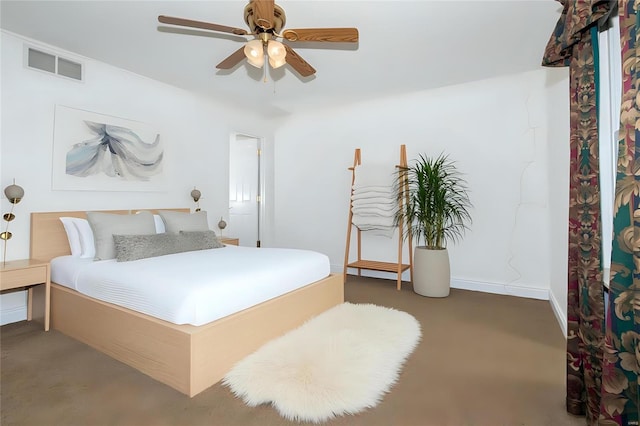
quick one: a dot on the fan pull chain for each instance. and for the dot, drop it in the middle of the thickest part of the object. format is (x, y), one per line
(266, 65)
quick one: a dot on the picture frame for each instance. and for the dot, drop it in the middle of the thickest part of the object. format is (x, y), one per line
(98, 152)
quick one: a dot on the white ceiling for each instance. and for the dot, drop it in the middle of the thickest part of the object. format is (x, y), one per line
(404, 46)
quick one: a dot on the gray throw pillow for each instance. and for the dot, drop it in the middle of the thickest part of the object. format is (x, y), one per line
(200, 240)
(134, 247)
(183, 221)
(106, 225)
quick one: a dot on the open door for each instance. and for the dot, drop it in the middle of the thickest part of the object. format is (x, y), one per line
(244, 189)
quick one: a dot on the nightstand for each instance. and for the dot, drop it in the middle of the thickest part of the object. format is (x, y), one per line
(28, 273)
(230, 241)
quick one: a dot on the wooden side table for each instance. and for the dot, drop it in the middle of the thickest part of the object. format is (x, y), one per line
(229, 240)
(28, 273)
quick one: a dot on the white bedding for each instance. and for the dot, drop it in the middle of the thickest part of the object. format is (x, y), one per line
(194, 287)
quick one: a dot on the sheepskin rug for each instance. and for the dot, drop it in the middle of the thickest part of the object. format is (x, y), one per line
(342, 361)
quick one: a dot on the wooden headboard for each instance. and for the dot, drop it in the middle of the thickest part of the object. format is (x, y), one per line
(48, 237)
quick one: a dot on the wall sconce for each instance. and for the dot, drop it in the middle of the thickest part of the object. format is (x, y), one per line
(195, 194)
(221, 225)
(14, 194)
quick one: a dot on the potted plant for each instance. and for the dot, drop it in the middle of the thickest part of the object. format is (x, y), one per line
(434, 209)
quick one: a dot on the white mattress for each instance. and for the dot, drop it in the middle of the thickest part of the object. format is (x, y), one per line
(194, 287)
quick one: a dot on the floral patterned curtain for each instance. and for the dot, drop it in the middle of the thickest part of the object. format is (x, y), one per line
(620, 392)
(574, 44)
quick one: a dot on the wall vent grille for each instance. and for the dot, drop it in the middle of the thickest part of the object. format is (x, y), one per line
(54, 64)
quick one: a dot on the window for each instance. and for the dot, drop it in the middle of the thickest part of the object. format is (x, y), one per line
(609, 95)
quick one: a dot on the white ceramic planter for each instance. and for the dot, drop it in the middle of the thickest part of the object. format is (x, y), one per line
(431, 272)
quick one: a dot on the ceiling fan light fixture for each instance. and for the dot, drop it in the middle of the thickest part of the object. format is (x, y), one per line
(254, 51)
(276, 63)
(257, 62)
(277, 53)
(266, 20)
(276, 50)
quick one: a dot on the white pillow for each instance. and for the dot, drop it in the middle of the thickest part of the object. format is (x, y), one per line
(160, 229)
(80, 237)
(86, 238)
(73, 236)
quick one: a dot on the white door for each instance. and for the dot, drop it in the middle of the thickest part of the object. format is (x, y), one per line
(244, 190)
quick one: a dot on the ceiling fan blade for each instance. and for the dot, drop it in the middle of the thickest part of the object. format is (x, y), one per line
(199, 24)
(263, 13)
(297, 63)
(232, 60)
(322, 34)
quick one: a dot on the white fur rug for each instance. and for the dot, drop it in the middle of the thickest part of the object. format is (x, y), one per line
(342, 361)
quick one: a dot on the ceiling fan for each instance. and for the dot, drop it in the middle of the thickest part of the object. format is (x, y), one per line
(265, 20)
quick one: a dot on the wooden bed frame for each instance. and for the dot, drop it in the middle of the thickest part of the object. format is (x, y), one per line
(185, 357)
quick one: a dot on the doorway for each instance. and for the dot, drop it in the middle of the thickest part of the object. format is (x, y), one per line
(245, 189)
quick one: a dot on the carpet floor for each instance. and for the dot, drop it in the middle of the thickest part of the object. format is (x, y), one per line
(483, 359)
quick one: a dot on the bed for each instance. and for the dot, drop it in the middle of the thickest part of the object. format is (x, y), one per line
(189, 358)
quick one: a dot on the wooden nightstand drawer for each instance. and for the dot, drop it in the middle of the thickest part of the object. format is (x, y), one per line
(23, 277)
(229, 240)
(29, 273)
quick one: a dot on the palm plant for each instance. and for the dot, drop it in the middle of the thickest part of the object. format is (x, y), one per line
(435, 203)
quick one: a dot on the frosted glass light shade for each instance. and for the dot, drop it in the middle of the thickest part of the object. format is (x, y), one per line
(277, 53)
(276, 64)
(14, 193)
(254, 51)
(195, 194)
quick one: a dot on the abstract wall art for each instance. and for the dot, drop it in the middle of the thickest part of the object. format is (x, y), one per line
(97, 152)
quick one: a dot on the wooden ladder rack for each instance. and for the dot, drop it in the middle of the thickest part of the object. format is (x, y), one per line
(373, 265)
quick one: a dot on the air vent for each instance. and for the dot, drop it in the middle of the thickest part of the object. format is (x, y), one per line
(51, 63)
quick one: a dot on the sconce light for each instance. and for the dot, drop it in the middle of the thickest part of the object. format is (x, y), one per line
(14, 194)
(195, 194)
(221, 225)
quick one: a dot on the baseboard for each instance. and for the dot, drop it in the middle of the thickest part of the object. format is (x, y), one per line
(13, 314)
(511, 290)
(506, 289)
(559, 313)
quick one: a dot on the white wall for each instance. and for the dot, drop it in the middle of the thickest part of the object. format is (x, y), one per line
(557, 88)
(195, 132)
(499, 133)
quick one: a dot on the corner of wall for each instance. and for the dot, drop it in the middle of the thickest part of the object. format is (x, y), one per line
(560, 314)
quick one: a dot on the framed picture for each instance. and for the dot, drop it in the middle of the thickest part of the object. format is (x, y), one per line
(96, 152)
